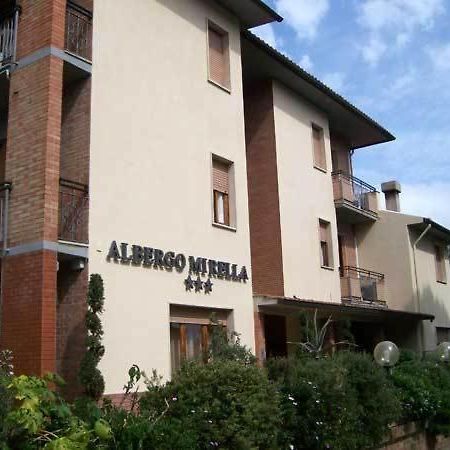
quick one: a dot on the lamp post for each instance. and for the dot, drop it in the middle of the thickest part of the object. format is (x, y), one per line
(386, 354)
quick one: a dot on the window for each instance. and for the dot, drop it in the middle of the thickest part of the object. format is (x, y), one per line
(441, 275)
(319, 147)
(190, 333)
(218, 56)
(222, 182)
(442, 335)
(326, 254)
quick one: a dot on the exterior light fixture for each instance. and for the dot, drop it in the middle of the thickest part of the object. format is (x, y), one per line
(386, 354)
(443, 352)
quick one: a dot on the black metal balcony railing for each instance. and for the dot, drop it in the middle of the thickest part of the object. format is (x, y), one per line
(352, 189)
(4, 207)
(8, 38)
(360, 284)
(78, 31)
(73, 212)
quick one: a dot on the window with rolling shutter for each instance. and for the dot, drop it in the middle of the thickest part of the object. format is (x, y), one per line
(326, 255)
(221, 191)
(219, 56)
(190, 333)
(319, 147)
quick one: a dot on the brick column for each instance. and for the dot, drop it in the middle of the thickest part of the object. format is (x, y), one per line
(28, 325)
(260, 339)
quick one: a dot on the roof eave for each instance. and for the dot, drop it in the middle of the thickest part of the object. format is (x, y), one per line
(251, 13)
(384, 135)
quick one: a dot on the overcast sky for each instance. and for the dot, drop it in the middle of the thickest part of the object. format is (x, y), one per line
(391, 58)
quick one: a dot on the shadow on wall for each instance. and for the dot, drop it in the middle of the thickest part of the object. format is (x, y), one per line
(189, 14)
(440, 308)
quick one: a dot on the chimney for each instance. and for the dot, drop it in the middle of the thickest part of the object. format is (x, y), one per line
(392, 191)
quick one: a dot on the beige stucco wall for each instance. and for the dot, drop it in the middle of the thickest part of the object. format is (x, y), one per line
(387, 247)
(434, 296)
(155, 123)
(306, 194)
(384, 247)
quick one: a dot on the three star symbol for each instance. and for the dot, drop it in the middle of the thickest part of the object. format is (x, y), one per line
(198, 285)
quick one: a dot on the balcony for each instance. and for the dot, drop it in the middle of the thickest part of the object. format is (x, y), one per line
(362, 286)
(78, 39)
(73, 212)
(355, 200)
(8, 38)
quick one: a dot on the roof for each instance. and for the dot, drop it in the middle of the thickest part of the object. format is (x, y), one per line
(251, 13)
(436, 230)
(261, 61)
(362, 312)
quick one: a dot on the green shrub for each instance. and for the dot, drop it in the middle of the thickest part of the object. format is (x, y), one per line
(340, 402)
(39, 418)
(227, 347)
(424, 391)
(223, 404)
(376, 397)
(90, 376)
(6, 400)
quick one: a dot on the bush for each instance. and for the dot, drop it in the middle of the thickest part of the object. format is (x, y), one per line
(90, 376)
(223, 404)
(39, 418)
(6, 400)
(340, 402)
(424, 390)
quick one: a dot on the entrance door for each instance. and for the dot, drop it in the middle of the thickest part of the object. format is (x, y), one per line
(275, 334)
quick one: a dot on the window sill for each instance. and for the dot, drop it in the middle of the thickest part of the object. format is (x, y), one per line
(320, 169)
(220, 86)
(327, 268)
(223, 226)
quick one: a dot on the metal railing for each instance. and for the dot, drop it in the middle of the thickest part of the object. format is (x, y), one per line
(362, 285)
(8, 38)
(78, 31)
(5, 189)
(352, 189)
(73, 212)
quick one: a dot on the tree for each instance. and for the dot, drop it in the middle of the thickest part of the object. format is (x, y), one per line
(90, 376)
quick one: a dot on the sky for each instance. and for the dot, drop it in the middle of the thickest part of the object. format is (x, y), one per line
(391, 59)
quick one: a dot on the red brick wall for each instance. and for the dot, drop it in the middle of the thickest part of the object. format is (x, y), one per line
(33, 147)
(260, 340)
(2, 159)
(71, 328)
(32, 165)
(29, 311)
(75, 137)
(41, 24)
(264, 209)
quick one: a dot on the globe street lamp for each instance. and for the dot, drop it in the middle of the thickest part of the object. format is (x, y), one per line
(386, 354)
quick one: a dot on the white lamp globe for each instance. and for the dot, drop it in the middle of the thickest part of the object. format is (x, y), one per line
(386, 354)
(443, 351)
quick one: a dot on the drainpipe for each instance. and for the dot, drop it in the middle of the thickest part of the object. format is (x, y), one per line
(416, 243)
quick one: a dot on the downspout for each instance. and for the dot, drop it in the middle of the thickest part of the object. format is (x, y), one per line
(416, 243)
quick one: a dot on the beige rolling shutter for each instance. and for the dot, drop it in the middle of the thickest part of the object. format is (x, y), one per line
(221, 178)
(219, 67)
(319, 147)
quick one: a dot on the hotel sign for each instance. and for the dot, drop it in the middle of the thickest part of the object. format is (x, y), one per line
(198, 267)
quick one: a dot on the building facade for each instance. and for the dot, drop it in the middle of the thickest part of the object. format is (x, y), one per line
(199, 172)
